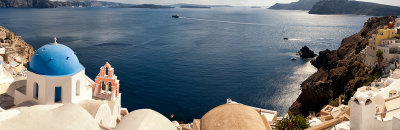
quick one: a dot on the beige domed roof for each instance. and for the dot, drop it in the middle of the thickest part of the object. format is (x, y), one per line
(145, 119)
(233, 117)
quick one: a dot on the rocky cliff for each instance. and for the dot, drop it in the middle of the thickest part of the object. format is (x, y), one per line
(26, 4)
(300, 5)
(339, 71)
(305, 53)
(16, 48)
(54, 4)
(149, 6)
(353, 7)
(89, 3)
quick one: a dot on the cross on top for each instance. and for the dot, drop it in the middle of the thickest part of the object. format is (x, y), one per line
(55, 40)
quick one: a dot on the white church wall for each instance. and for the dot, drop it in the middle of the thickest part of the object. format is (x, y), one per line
(362, 115)
(103, 116)
(20, 97)
(115, 107)
(33, 78)
(396, 123)
(66, 91)
(86, 88)
(379, 125)
(85, 91)
(47, 86)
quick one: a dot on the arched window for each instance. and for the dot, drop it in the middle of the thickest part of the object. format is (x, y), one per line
(356, 101)
(368, 101)
(103, 86)
(106, 70)
(36, 90)
(109, 86)
(78, 88)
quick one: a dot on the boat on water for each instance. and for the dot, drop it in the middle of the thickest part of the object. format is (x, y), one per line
(285, 38)
(175, 16)
(293, 58)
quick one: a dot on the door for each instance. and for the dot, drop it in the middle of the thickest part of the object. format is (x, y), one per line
(57, 96)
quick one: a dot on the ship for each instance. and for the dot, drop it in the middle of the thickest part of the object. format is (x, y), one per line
(175, 16)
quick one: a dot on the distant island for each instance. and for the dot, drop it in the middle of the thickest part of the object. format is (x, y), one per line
(353, 7)
(92, 3)
(340, 7)
(255, 7)
(55, 4)
(194, 6)
(300, 5)
(184, 5)
(149, 6)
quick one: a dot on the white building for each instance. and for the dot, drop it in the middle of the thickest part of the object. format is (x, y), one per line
(55, 76)
(385, 40)
(145, 119)
(373, 109)
(59, 95)
(397, 23)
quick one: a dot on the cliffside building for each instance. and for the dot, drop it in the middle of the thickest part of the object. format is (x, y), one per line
(373, 108)
(385, 40)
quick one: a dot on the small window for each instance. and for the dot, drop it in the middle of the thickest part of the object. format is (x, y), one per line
(356, 101)
(78, 88)
(368, 102)
(36, 90)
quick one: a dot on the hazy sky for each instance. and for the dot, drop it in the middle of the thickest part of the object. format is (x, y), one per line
(235, 2)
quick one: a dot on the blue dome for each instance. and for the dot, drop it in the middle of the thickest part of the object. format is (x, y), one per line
(54, 60)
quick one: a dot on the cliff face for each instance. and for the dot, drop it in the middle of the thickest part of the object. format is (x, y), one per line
(26, 4)
(89, 3)
(50, 4)
(15, 46)
(353, 7)
(150, 6)
(300, 5)
(339, 72)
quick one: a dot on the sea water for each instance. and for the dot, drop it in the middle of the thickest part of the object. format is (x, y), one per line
(188, 66)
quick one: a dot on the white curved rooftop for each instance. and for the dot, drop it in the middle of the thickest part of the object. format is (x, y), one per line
(145, 119)
(48, 117)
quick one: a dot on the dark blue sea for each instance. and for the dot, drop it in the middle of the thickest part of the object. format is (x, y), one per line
(188, 66)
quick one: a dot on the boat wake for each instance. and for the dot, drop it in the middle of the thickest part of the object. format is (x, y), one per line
(296, 39)
(230, 22)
